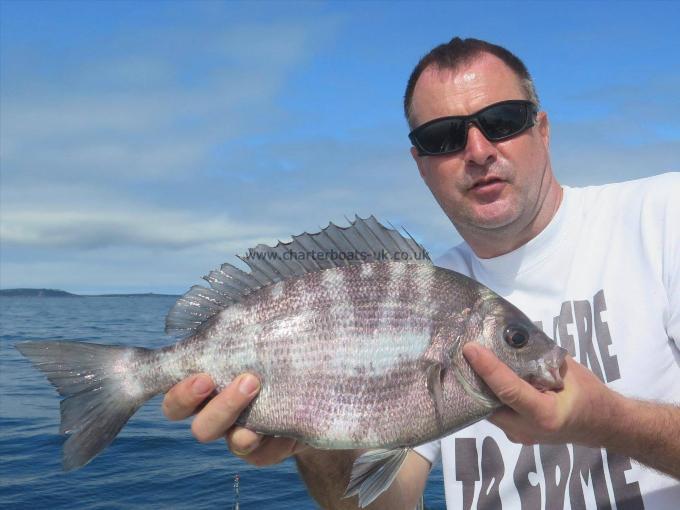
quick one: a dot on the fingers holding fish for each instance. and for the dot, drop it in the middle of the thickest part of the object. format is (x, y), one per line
(187, 396)
(242, 441)
(261, 450)
(573, 414)
(510, 389)
(531, 414)
(545, 417)
(217, 416)
(220, 414)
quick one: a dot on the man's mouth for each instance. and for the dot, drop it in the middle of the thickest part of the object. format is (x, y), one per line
(488, 189)
(486, 182)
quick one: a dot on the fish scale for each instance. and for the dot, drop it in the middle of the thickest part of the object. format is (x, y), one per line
(357, 352)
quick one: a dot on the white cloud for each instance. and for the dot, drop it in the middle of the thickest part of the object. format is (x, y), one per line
(181, 96)
(108, 154)
(149, 159)
(123, 227)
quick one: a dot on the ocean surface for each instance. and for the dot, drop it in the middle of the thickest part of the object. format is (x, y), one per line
(153, 463)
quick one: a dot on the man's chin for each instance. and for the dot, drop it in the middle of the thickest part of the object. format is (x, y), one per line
(492, 216)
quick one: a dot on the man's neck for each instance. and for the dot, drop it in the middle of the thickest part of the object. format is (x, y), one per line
(488, 244)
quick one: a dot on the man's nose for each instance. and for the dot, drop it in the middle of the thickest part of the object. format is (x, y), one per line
(478, 149)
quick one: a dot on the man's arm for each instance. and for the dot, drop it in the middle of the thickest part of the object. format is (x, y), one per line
(325, 472)
(585, 412)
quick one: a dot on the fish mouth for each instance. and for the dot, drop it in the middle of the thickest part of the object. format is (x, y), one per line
(548, 379)
(546, 372)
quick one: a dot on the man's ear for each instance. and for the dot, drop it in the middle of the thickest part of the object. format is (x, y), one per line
(419, 160)
(543, 127)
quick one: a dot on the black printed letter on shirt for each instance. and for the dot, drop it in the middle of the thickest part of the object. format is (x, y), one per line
(584, 326)
(556, 467)
(529, 494)
(467, 468)
(493, 470)
(604, 339)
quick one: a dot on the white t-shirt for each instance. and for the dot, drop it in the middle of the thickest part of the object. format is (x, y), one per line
(603, 280)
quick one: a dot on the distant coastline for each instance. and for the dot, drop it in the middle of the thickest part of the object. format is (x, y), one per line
(63, 294)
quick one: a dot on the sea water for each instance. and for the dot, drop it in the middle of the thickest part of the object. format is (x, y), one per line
(153, 463)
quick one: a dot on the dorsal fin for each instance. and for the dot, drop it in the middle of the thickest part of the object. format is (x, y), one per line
(364, 240)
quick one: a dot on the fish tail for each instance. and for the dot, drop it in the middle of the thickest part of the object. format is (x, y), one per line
(102, 387)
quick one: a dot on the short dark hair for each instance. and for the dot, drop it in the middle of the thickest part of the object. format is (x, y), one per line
(461, 51)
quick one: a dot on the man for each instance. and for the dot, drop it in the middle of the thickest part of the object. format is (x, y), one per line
(597, 268)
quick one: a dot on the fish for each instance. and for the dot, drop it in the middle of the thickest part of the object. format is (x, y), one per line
(355, 335)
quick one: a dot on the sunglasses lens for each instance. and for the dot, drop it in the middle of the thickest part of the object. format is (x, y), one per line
(498, 122)
(504, 120)
(448, 135)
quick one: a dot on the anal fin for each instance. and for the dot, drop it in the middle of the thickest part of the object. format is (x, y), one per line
(373, 472)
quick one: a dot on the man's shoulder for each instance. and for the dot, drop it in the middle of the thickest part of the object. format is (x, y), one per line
(660, 185)
(627, 201)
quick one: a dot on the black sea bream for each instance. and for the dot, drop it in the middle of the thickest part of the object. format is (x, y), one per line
(354, 334)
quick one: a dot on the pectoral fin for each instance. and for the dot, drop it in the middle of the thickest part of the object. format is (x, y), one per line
(434, 388)
(373, 473)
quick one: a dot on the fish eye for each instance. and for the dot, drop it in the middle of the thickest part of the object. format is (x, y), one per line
(516, 336)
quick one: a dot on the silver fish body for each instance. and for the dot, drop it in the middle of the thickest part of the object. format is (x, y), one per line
(346, 355)
(360, 355)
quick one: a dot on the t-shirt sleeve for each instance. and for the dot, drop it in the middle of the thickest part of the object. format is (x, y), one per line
(430, 451)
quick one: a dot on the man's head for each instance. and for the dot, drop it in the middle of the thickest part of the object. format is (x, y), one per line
(498, 194)
(461, 51)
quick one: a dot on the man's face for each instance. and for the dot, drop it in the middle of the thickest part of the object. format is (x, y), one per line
(487, 186)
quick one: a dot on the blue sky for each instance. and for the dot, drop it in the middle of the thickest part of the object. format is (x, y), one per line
(143, 143)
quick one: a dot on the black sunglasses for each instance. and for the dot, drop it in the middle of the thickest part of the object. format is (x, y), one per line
(497, 122)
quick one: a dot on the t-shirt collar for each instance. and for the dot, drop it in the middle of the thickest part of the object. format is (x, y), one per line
(529, 255)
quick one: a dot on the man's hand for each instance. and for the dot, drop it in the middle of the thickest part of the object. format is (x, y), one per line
(585, 412)
(576, 414)
(325, 472)
(216, 416)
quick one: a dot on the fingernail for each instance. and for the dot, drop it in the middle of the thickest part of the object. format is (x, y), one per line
(201, 386)
(248, 385)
